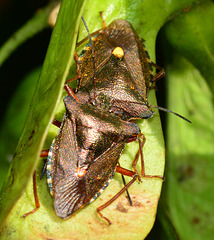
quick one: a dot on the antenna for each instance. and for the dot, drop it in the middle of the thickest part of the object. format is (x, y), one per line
(160, 108)
(93, 55)
(167, 110)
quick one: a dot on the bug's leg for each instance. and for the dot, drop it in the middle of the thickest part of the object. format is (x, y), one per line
(68, 89)
(141, 140)
(44, 153)
(37, 204)
(131, 139)
(78, 69)
(134, 163)
(159, 75)
(127, 192)
(125, 172)
(56, 123)
(103, 21)
(70, 92)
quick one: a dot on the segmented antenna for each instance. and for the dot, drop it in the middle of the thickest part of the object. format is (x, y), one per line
(93, 55)
(160, 108)
(169, 111)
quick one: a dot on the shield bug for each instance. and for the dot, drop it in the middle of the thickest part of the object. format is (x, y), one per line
(115, 72)
(118, 73)
(84, 156)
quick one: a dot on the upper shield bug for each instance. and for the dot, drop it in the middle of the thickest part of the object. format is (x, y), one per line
(122, 73)
(115, 72)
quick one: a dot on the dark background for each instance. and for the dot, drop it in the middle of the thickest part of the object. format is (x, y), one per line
(13, 15)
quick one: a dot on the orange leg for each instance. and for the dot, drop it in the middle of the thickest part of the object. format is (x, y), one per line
(78, 69)
(44, 153)
(125, 172)
(141, 139)
(103, 21)
(37, 204)
(56, 123)
(159, 75)
(70, 92)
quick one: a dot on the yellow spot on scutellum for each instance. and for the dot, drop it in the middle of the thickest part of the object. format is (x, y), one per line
(118, 52)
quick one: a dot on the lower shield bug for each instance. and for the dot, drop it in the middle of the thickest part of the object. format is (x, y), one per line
(84, 156)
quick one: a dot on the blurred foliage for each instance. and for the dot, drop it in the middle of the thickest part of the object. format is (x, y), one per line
(189, 61)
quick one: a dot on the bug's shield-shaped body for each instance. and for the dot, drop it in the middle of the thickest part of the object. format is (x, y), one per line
(122, 73)
(84, 155)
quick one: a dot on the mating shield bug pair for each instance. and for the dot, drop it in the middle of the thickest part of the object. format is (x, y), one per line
(115, 74)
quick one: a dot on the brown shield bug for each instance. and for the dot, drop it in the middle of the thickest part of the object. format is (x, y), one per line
(84, 156)
(115, 72)
(118, 73)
